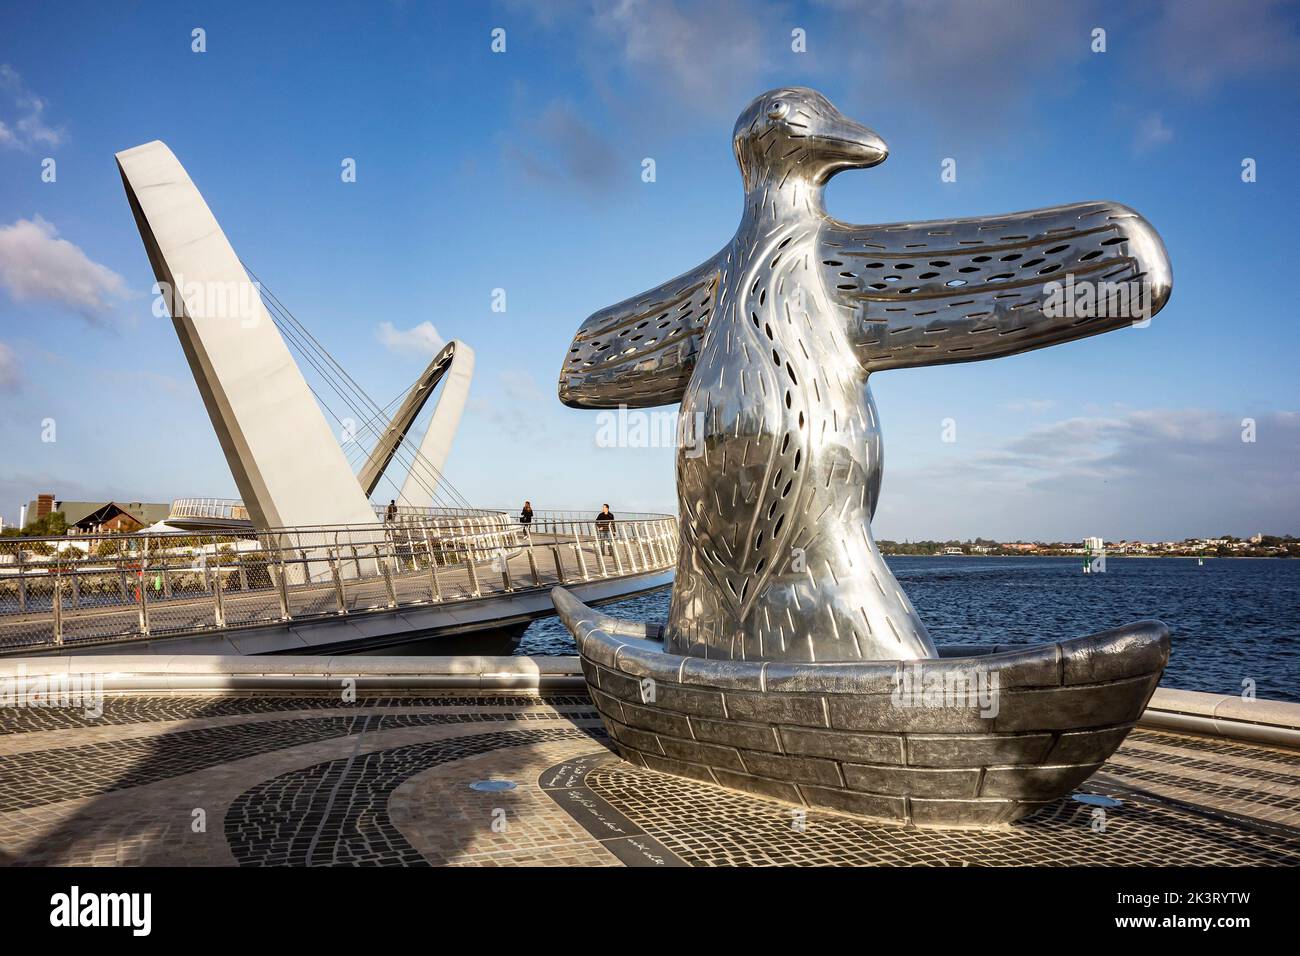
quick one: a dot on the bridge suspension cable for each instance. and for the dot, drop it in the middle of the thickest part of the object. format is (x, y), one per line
(373, 419)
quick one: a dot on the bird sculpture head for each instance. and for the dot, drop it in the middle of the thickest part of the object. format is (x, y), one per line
(793, 131)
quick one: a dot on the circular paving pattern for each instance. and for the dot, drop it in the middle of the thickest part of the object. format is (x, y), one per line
(306, 780)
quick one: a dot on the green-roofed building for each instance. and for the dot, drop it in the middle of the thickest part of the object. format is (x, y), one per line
(92, 517)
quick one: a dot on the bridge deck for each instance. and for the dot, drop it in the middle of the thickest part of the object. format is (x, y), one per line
(195, 611)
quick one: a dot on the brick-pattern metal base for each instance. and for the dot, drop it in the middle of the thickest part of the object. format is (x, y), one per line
(844, 737)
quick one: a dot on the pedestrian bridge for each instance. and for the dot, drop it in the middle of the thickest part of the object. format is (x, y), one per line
(425, 573)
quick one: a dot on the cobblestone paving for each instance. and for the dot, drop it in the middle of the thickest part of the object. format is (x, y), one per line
(298, 780)
(47, 776)
(708, 827)
(1140, 739)
(336, 813)
(135, 710)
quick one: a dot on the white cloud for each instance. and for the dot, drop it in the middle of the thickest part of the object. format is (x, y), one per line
(702, 57)
(1152, 132)
(422, 339)
(35, 265)
(711, 52)
(519, 409)
(30, 128)
(972, 66)
(560, 145)
(10, 375)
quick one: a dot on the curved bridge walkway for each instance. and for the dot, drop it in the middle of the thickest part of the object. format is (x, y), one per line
(55, 596)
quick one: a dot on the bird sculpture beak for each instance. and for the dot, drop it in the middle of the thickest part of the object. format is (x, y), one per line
(850, 145)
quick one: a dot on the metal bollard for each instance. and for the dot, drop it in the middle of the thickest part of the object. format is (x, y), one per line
(640, 547)
(218, 594)
(435, 586)
(58, 612)
(532, 565)
(339, 597)
(282, 589)
(387, 573)
(473, 574)
(144, 608)
(22, 582)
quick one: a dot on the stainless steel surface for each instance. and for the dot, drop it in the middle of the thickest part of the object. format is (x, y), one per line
(1006, 734)
(83, 590)
(769, 346)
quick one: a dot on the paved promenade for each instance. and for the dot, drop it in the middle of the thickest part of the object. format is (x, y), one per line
(299, 779)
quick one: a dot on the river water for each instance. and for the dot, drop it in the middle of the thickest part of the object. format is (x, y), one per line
(1233, 619)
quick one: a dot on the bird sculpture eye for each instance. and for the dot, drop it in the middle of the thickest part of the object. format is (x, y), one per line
(777, 110)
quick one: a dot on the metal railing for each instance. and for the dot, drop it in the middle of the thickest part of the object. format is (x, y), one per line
(220, 509)
(233, 509)
(82, 589)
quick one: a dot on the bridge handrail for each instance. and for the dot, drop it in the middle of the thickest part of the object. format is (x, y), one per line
(232, 509)
(87, 588)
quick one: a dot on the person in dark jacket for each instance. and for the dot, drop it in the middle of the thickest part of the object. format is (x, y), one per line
(526, 516)
(391, 514)
(605, 530)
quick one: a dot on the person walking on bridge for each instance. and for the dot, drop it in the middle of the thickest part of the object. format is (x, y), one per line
(605, 530)
(526, 517)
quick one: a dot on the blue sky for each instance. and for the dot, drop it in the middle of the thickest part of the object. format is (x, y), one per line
(522, 171)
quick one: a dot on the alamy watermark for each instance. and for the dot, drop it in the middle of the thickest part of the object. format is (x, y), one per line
(239, 300)
(1086, 299)
(639, 428)
(63, 691)
(73, 909)
(925, 686)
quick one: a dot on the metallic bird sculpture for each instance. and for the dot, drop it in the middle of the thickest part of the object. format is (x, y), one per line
(769, 345)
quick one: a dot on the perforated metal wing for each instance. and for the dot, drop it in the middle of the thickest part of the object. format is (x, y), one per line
(641, 352)
(960, 290)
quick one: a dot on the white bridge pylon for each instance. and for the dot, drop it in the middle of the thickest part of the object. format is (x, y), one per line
(454, 368)
(285, 458)
(287, 464)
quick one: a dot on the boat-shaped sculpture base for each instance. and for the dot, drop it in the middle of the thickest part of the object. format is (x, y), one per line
(976, 738)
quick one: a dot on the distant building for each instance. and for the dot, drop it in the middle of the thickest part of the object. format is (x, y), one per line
(1094, 544)
(95, 517)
